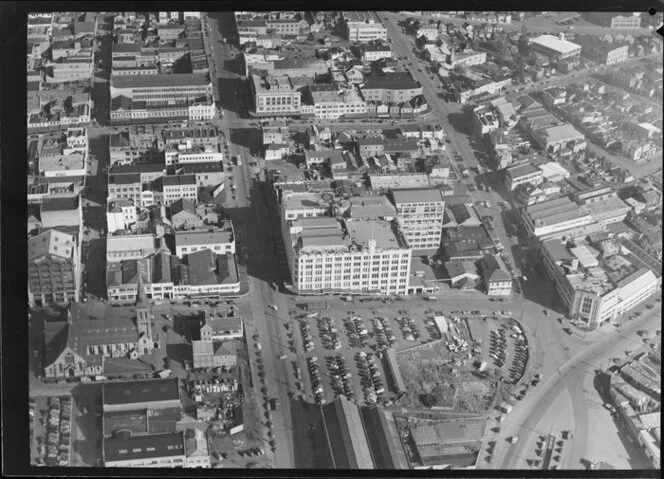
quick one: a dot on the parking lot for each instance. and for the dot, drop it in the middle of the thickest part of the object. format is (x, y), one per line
(344, 347)
(51, 424)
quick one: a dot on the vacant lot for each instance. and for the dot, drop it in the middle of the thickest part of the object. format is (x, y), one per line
(438, 377)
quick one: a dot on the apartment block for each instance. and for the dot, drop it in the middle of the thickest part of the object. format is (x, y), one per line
(420, 213)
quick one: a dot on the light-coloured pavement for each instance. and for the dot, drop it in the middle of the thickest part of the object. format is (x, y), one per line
(574, 376)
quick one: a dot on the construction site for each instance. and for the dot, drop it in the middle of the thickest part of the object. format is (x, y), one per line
(471, 368)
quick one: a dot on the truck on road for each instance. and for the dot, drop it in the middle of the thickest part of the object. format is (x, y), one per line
(274, 404)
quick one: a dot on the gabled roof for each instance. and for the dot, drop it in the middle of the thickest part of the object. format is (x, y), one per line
(458, 269)
(183, 205)
(494, 269)
(77, 331)
(227, 323)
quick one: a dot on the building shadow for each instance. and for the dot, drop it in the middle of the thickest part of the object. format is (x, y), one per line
(310, 445)
(247, 137)
(178, 352)
(460, 122)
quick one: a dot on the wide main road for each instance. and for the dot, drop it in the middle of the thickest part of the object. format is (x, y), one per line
(573, 378)
(458, 134)
(255, 220)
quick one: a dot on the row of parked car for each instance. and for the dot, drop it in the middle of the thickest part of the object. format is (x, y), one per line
(520, 355)
(372, 384)
(55, 450)
(316, 380)
(307, 340)
(498, 347)
(383, 333)
(329, 334)
(340, 376)
(357, 332)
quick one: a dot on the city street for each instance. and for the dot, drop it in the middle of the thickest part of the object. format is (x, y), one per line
(567, 396)
(575, 377)
(454, 118)
(249, 213)
(450, 116)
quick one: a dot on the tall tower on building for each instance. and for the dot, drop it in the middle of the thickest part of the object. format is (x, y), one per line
(143, 320)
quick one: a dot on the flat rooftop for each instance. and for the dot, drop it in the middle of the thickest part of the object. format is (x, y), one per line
(303, 201)
(371, 207)
(131, 243)
(329, 94)
(597, 282)
(73, 161)
(362, 231)
(156, 81)
(315, 223)
(417, 195)
(193, 238)
(607, 205)
(522, 170)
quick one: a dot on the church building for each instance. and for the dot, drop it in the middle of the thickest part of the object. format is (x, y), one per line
(80, 346)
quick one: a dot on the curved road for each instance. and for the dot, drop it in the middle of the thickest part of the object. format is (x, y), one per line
(570, 376)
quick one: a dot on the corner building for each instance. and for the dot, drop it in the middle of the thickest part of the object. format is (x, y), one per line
(352, 256)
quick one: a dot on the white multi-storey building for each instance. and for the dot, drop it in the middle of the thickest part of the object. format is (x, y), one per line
(420, 212)
(220, 241)
(120, 215)
(187, 154)
(363, 27)
(359, 256)
(355, 256)
(275, 95)
(594, 288)
(331, 104)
